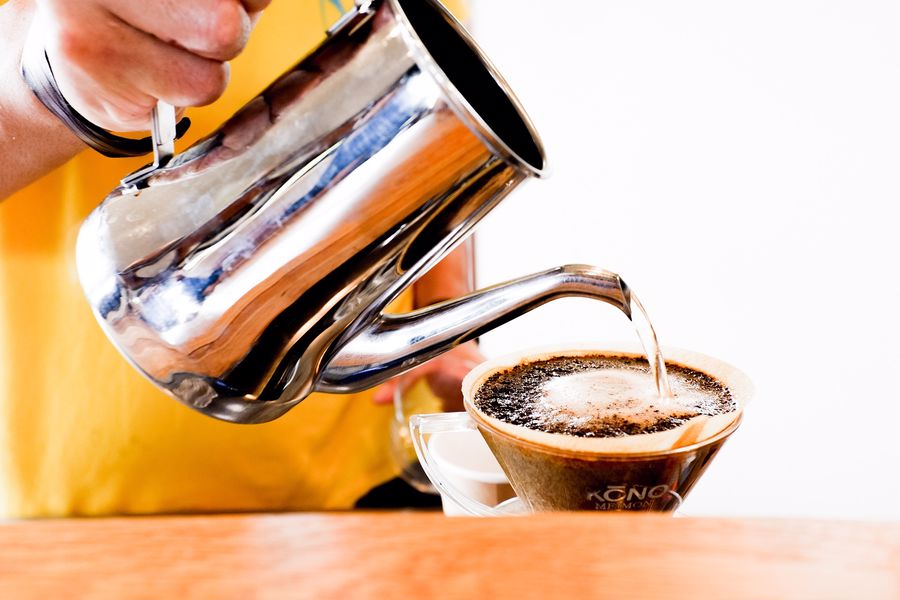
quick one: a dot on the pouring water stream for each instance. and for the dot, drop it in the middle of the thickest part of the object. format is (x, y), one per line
(647, 335)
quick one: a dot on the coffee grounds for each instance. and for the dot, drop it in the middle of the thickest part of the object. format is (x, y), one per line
(516, 395)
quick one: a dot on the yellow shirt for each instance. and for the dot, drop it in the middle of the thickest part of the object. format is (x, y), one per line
(82, 433)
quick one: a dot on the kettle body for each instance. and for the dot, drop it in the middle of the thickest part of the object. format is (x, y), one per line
(253, 268)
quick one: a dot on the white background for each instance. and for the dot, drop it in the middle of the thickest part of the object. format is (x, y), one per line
(738, 163)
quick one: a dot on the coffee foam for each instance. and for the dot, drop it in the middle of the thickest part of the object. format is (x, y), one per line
(576, 400)
(624, 402)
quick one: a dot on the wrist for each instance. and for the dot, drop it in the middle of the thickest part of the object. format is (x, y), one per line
(33, 140)
(17, 20)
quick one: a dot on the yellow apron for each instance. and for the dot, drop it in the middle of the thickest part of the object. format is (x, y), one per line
(81, 433)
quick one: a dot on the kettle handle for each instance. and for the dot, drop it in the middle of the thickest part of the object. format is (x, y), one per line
(164, 124)
(163, 129)
(396, 343)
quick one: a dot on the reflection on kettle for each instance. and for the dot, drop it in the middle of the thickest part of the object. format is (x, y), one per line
(253, 268)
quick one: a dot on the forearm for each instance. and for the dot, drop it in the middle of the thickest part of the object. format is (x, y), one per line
(452, 277)
(32, 141)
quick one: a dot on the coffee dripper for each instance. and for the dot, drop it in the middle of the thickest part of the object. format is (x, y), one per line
(254, 268)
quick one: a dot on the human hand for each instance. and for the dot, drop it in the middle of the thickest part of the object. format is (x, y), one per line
(444, 375)
(113, 59)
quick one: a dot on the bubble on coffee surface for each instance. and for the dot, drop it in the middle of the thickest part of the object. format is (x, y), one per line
(599, 396)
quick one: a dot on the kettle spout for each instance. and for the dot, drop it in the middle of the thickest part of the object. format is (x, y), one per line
(397, 343)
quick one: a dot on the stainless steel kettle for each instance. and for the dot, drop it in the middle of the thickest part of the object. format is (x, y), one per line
(253, 268)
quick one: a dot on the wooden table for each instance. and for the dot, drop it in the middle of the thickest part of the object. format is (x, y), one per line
(421, 555)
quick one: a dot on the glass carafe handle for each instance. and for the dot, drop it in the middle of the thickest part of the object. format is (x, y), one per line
(421, 427)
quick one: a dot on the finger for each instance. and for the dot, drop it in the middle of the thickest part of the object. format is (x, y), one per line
(385, 393)
(448, 388)
(216, 29)
(125, 68)
(460, 369)
(118, 115)
(253, 6)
